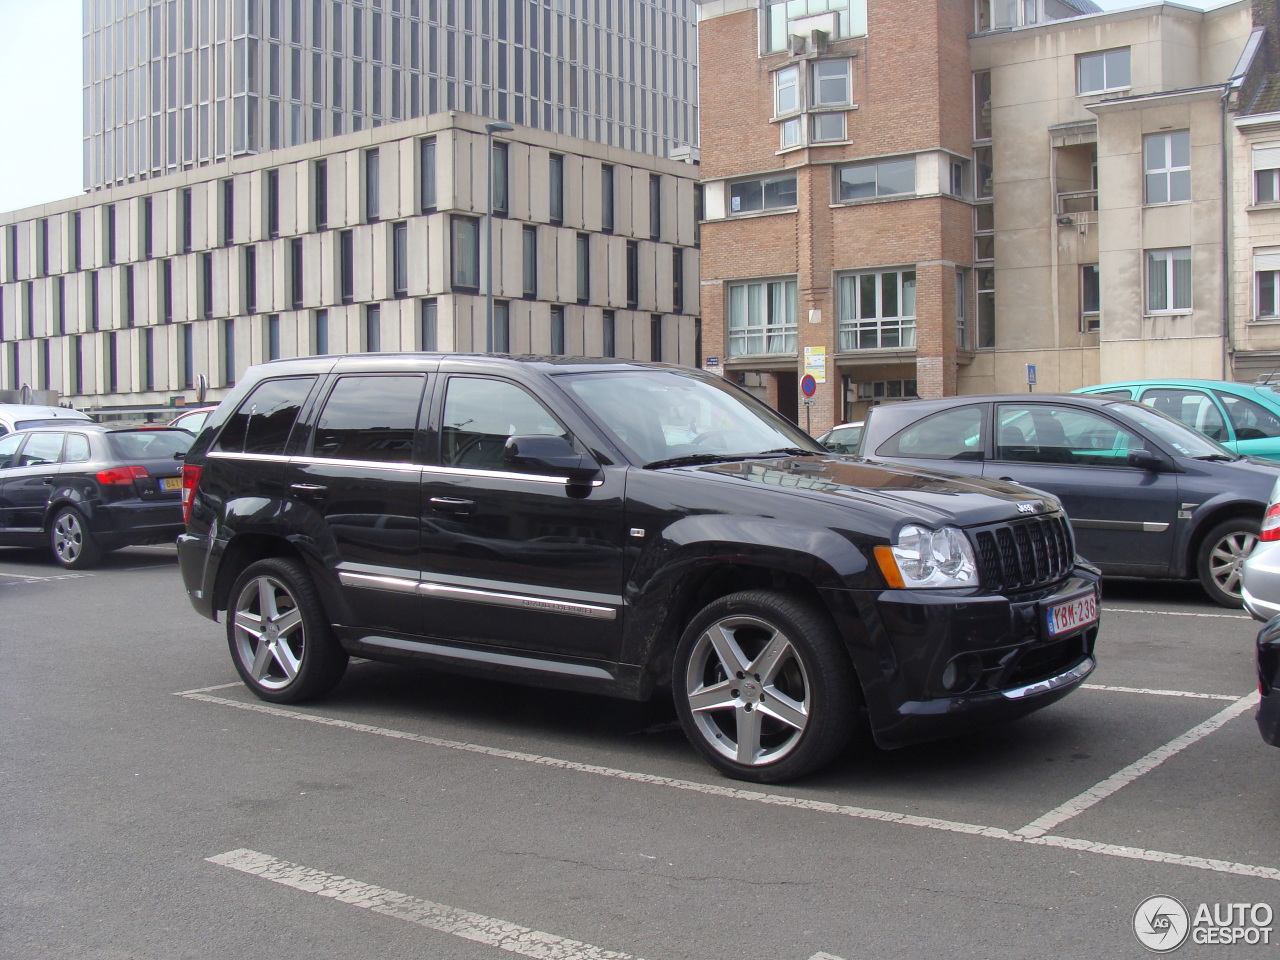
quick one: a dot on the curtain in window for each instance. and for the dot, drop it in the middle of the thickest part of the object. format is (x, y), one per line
(1182, 279)
(1157, 281)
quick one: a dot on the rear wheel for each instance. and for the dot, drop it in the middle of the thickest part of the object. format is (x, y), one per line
(73, 545)
(1220, 562)
(280, 639)
(764, 689)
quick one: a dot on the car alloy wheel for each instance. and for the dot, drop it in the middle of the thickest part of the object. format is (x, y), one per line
(1220, 563)
(73, 545)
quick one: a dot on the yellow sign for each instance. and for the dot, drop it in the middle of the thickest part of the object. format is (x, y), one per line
(815, 363)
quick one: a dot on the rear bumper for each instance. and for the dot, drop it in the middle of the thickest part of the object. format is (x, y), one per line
(935, 664)
(1261, 583)
(131, 522)
(1268, 663)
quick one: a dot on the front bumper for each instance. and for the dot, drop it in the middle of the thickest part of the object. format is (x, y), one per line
(936, 664)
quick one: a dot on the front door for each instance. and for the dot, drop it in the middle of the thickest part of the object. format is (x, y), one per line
(515, 559)
(1124, 517)
(28, 484)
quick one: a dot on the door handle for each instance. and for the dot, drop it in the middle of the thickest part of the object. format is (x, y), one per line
(308, 488)
(452, 505)
(48, 481)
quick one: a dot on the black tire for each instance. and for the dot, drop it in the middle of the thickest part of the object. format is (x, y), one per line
(280, 639)
(73, 545)
(795, 715)
(1219, 562)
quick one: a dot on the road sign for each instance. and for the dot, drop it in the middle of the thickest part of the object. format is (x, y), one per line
(808, 385)
(1031, 373)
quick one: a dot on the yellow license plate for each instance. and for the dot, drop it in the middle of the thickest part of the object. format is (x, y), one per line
(171, 483)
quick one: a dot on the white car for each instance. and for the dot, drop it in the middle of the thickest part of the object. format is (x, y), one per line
(21, 416)
(1260, 572)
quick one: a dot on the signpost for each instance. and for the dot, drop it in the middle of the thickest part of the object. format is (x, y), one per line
(1031, 377)
(808, 386)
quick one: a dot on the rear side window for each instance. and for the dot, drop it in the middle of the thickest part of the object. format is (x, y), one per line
(149, 444)
(481, 415)
(958, 434)
(77, 450)
(1192, 407)
(262, 423)
(41, 448)
(370, 418)
(1251, 421)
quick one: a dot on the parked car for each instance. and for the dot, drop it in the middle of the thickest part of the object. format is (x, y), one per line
(1147, 496)
(1244, 417)
(82, 489)
(23, 416)
(620, 528)
(192, 420)
(1260, 573)
(1268, 663)
(842, 438)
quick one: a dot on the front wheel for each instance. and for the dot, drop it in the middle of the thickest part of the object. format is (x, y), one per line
(73, 545)
(763, 687)
(280, 639)
(1220, 562)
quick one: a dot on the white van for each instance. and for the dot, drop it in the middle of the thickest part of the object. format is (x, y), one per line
(20, 416)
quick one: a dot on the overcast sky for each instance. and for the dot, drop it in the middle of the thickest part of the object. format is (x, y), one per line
(41, 146)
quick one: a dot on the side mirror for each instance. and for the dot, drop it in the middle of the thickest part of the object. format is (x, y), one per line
(551, 455)
(1144, 460)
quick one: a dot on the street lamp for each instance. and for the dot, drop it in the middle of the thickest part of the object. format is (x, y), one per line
(495, 126)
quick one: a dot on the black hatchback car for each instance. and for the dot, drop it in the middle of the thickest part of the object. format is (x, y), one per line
(621, 528)
(82, 489)
(1147, 495)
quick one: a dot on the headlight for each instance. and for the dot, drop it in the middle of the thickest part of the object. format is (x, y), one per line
(928, 558)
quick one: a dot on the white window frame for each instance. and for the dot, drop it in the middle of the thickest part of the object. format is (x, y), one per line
(787, 80)
(765, 311)
(1108, 57)
(860, 321)
(1167, 286)
(1266, 273)
(1266, 170)
(763, 181)
(876, 165)
(818, 81)
(791, 133)
(1165, 170)
(1090, 320)
(831, 136)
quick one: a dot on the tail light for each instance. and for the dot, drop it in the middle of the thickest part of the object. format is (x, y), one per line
(1271, 524)
(119, 476)
(190, 480)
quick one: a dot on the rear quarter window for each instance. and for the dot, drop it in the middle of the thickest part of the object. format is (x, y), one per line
(957, 434)
(263, 422)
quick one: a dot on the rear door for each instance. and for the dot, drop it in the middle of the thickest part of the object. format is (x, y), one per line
(1123, 516)
(27, 485)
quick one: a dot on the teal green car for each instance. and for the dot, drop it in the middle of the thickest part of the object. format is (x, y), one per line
(1244, 417)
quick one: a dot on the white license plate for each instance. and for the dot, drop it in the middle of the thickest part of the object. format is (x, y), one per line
(171, 483)
(1073, 615)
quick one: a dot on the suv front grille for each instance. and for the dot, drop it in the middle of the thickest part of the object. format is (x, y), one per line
(1023, 554)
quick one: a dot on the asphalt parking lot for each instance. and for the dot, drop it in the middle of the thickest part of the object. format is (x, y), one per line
(153, 808)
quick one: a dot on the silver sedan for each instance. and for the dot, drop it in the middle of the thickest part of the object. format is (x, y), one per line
(1260, 579)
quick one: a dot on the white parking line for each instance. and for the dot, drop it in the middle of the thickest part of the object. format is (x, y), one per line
(220, 686)
(28, 578)
(1100, 791)
(435, 916)
(1179, 613)
(771, 799)
(1159, 693)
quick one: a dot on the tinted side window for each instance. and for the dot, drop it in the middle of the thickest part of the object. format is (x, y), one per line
(264, 420)
(1252, 421)
(370, 418)
(77, 449)
(1044, 433)
(8, 447)
(958, 434)
(1192, 407)
(41, 448)
(480, 415)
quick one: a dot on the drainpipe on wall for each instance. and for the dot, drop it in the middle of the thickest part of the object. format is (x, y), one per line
(1228, 236)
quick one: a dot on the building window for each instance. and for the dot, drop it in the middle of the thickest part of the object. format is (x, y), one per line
(186, 225)
(557, 331)
(762, 317)
(129, 311)
(250, 280)
(964, 335)
(77, 366)
(984, 181)
(501, 195)
(92, 305)
(273, 336)
(655, 206)
(555, 174)
(1169, 280)
(957, 181)
(229, 352)
(655, 337)
(838, 18)
(584, 267)
(828, 127)
(982, 105)
(346, 266)
(786, 91)
(427, 174)
(1090, 298)
(608, 334)
(228, 212)
(1266, 272)
(986, 308)
(148, 358)
(206, 286)
(606, 198)
(76, 237)
(1266, 174)
(428, 325)
(790, 133)
(166, 291)
(1167, 159)
(148, 233)
(768, 193)
(529, 262)
(320, 198)
(832, 83)
(273, 204)
(633, 274)
(188, 356)
(465, 247)
(677, 280)
(61, 305)
(320, 333)
(400, 259)
(1102, 71)
(295, 273)
(113, 363)
(372, 328)
(877, 310)
(371, 186)
(886, 178)
(501, 326)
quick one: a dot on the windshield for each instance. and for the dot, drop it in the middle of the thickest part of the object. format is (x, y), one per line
(661, 415)
(48, 422)
(1184, 441)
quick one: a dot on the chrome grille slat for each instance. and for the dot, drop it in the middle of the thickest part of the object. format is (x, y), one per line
(1023, 554)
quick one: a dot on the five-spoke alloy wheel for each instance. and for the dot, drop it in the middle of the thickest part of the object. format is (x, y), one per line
(280, 639)
(1220, 563)
(72, 544)
(763, 687)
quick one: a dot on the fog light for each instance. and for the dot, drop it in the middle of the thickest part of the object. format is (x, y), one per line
(962, 673)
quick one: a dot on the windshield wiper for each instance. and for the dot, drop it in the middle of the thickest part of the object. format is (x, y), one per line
(788, 452)
(696, 459)
(1218, 457)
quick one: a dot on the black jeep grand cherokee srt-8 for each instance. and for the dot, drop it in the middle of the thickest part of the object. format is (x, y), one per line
(620, 528)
